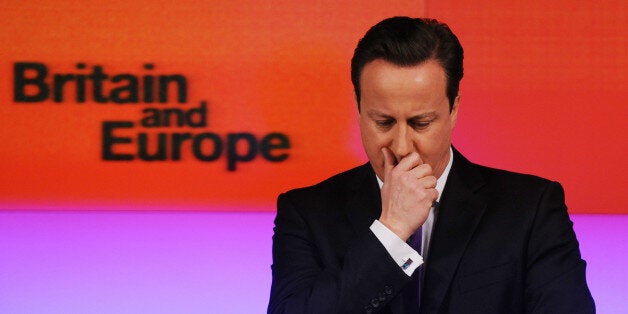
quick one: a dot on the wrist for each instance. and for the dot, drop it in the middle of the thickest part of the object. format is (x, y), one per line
(402, 233)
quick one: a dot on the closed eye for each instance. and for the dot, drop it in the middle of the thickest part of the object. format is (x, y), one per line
(419, 125)
(422, 122)
(385, 123)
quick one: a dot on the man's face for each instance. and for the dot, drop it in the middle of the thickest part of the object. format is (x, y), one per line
(407, 110)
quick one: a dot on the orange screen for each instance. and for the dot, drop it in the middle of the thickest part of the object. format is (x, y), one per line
(224, 104)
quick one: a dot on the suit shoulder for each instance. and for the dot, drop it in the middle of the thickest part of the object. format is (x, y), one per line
(513, 177)
(525, 189)
(333, 186)
(471, 172)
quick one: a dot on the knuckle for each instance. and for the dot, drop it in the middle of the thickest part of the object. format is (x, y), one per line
(394, 172)
(433, 180)
(428, 168)
(422, 193)
(424, 168)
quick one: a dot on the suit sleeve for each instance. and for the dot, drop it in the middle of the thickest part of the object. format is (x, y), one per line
(304, 280)
(555, 277)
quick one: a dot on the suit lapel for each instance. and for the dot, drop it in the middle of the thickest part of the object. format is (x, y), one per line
(363, 206)
(364, 203)
(458, 216)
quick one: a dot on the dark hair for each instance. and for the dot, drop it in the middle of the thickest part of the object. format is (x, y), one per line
(408, 41)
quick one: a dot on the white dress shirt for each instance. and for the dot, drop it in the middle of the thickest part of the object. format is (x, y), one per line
(406, 257)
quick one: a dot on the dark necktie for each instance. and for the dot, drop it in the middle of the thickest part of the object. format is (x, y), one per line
(412, 292)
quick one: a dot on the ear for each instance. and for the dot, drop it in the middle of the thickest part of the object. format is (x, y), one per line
(453, 115)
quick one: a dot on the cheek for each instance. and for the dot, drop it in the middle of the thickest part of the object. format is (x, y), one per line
(432, 143)
(370, 136)
(371, 142)
(372, 146)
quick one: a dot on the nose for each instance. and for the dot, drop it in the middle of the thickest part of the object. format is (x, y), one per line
(402, 144)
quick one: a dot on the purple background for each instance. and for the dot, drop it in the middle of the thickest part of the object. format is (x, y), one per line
(196, 262)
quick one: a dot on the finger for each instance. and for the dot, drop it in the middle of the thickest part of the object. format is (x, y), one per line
(421, 171)
(435, 197)
(420, 159)
(389, 161)
(431, 196)
(410, 161)
(428, 182)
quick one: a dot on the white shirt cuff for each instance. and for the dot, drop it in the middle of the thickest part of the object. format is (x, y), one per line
(405, 256)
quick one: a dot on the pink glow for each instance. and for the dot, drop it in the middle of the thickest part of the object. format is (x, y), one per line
(195, 262)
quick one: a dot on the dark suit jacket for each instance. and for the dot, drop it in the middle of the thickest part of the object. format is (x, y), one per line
(502, 243)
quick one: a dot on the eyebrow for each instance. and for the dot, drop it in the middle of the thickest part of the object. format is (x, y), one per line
(426, 115)
(376, 114)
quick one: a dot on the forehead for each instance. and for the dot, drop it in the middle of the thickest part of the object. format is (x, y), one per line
(386, 83)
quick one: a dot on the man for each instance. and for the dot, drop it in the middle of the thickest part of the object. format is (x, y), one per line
(420, 228)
